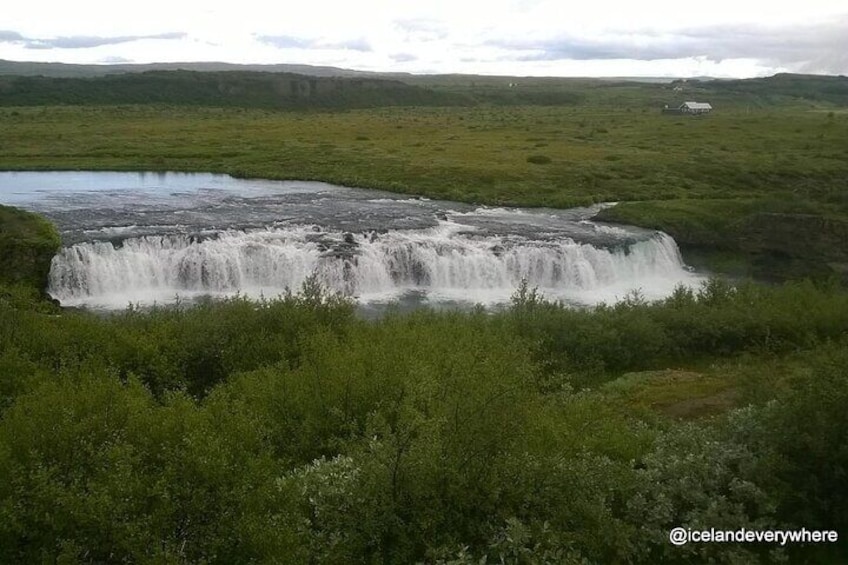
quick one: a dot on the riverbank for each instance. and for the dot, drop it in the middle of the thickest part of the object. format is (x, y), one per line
(753, 239)
(27, 245)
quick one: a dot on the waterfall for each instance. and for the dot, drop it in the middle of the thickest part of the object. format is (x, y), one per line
(447, 260)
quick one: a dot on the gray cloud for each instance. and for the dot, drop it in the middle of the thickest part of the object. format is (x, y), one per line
(820, 47)
(285, 41)
(354, 45)
(79, 41)
(291, 42)
(403, 57)
(89, 41)
(85, 42)
(7, 36)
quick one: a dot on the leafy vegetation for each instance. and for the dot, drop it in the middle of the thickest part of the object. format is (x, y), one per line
(291, 430)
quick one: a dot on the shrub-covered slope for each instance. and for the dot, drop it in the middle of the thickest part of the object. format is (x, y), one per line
(27, 245)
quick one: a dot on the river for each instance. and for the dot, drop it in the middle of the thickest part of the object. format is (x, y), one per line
(145, 238)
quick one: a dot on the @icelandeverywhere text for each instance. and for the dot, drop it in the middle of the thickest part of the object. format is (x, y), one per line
(682, 536)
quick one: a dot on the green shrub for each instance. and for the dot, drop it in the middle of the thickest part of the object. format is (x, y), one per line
(539, 159)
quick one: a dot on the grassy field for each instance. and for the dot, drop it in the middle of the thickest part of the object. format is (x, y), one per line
(715, 182)
(470, 154)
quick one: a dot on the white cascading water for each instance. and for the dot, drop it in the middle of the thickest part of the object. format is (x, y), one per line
(445, 261)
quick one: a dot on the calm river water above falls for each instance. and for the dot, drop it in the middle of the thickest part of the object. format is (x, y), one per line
(150, 237)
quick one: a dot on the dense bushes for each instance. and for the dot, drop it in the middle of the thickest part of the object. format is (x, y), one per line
(190, 348)
(292, 431)
(719, 319)
(807, 433)
(98, 471)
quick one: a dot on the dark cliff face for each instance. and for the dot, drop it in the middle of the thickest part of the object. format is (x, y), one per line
(27, 245)
(774, 246)
(797, 234)
(795, 244)
(743, 240)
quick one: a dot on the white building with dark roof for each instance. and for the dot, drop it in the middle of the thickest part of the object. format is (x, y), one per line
(695, 108)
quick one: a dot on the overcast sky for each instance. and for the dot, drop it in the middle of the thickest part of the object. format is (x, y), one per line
(721, 38)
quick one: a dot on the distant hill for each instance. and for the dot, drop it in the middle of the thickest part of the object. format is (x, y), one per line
(223, 89)
(64, 70)
(778, 88)
(281, 90)
(304, 86)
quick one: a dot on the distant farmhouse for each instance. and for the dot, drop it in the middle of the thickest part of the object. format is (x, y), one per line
(691, 108)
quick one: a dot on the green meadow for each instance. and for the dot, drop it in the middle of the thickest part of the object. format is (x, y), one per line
(293, 431)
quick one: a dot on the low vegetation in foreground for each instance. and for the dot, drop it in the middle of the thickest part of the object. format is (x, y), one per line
(292, 431)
